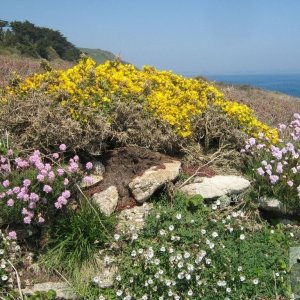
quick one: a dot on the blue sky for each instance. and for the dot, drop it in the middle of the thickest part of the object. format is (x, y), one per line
(190, 37)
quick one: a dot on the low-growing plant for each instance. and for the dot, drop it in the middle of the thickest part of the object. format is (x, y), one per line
(276, 168)
(201, 253)
(9, 256)
(35, 187)
(74, 239)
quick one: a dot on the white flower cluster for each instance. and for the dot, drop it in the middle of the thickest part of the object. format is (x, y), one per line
(9, 252)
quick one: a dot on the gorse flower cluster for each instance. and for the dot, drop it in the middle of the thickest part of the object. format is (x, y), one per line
(277, 168)
(244, 115)
(169, 97)
(9, 254)
(32, 188)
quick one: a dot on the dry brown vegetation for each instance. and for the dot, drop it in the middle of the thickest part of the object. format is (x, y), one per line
(270, 107)
(40, 122)
(24, 67)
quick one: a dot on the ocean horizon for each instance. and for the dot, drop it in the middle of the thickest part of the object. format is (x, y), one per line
(283, 83)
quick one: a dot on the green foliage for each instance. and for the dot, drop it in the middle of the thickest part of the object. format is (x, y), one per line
(202, 253)
(75, 238)
(49, 295)
(36, 41)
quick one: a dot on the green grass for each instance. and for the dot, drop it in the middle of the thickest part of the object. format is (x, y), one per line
(76, 237)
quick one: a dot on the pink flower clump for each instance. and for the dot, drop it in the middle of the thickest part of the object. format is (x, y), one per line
(279, 164)
(46, 190)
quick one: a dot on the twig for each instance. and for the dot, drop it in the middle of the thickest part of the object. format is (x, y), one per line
(187, 180)
(63, 277)
(206, 164)
(18, 279)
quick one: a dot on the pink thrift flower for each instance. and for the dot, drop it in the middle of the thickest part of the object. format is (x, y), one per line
(281, 127)
(274, 179)
(76, 158)
(279, 168)
(32, 205)
(268, 167)
(60, 172)
(40, 177)
(27, 220)
(6, 183)
(10, 202)
(58, 205)
(20, 195)
(88, 180)
(55, 155)
(47, 188)
(21, 163)
(62, 147)
(12, 235)
(51, 176)
(66, 181)
(34, 197)
(252, 141)
(89, 165)
(40, 166)
(73, 167)
(290, 183)
(48, 167)
(26, 197)
(44, 172)
(24, 211)
(26, 182)
(9, 192)
(62, 200)
(66, 194)
(260, 171)
(16, 189)
(269, 172)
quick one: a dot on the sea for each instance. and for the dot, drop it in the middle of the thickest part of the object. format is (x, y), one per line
(288, 83)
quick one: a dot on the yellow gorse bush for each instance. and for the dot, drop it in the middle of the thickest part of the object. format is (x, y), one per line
(173, 98)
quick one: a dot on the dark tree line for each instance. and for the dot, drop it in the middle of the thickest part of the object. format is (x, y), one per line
(36, 41)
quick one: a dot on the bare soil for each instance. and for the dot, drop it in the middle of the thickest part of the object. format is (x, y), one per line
(124, 164)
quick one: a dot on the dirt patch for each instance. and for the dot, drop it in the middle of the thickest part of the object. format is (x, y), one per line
(124, 164)
(204, 171)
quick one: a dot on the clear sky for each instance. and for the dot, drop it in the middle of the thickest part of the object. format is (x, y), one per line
(186, 36)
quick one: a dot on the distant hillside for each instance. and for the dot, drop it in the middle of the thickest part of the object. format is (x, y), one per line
(98, 55)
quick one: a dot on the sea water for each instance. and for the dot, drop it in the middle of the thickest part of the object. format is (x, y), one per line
(288, 83)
